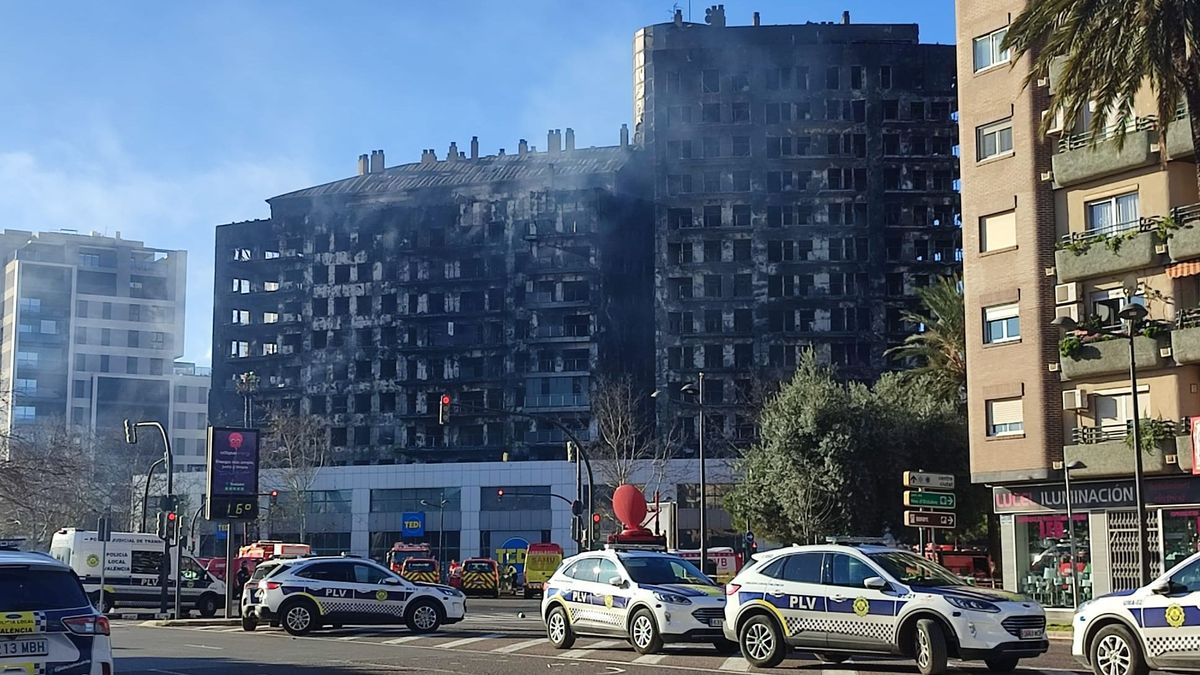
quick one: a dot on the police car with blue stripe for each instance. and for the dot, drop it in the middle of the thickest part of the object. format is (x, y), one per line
(1156, 626)
(641, 594)
(838, 601)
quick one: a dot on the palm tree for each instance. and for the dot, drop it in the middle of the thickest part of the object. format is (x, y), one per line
(1110, 50)
(939, 347)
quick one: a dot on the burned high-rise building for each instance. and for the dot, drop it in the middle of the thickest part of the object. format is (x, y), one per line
(805, 187)
(507, 282)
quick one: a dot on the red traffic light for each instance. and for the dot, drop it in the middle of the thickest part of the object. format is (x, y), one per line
(596, 518)
(445, 399)
(500, 492)
(274, 493)
(171, 515)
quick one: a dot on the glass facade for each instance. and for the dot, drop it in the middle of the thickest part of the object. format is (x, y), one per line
(1180, 534)
(1044, 558)
(402, 500)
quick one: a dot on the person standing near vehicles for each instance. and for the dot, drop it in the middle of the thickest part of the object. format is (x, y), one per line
(243, 576)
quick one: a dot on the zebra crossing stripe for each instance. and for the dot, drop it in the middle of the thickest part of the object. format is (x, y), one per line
(509, 649)
(467, 641)
(402, 640)
(736, 664)
(649, 659)
(592, 648)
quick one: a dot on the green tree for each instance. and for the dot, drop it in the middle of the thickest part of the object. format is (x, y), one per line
(938, 349)
(1110, 50)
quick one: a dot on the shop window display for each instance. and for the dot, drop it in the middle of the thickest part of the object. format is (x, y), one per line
(1044, 566)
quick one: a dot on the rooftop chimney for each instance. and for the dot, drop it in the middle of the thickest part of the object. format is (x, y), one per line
(679, 17)
(363, 165)
(474, 147)
(570, 139)
(846, 18)
(428, 156)
(452, 153)
(522, 147)
(757, 19)
(376, 161)
(624, 135)
(552, 141)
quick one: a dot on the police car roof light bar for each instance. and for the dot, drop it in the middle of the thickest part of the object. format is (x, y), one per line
(855, 541)
(618, 546)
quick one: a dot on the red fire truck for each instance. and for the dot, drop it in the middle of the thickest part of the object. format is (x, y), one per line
(401, 552)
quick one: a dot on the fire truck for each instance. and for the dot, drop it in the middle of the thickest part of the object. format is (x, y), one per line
(401, 552)
(724, 562)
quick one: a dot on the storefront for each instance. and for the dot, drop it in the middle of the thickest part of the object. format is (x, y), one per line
(1036, 542)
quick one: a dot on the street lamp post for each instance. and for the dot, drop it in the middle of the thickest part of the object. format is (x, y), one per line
(1067, 469)
(1132, 315)
(697, 389)
(441, 506)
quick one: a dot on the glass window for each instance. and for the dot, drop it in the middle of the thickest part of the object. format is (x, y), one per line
(25, 590)
(329, 501)
(662, 570)
(998, 231)
(803, 568)
(987, 51)
(1044, 558)
(1001, 324)
(1106, 305)
(774, 569)
(846, 570)
(909, 568)
(586, 570)
(1005, 417)
(331, 571)
(606, 571)
(1113, 214)
(523, 498)
(1187, 580)
(1181, 535)
(993, 140)
(369, 574)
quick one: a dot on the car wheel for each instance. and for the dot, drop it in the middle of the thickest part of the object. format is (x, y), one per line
(1115, 651)
(423, 617)
(725, 647)
(643, 633)
(761, 642)
(249, 623)
(207, 605)
(299, 617)
(558, 628)
(929, 647)
(108, 603)
(830, 657)
(1002, 664)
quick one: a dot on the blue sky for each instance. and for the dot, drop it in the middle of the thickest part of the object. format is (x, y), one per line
(162, 120)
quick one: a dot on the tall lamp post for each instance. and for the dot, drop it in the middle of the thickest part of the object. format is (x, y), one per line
(441, 506)
(697, 389)
(1067, 469)
(1132, 317)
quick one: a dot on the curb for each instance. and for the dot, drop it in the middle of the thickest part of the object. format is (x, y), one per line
(1059, 635)
(175, 623)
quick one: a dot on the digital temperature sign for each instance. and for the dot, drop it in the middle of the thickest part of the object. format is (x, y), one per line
(232, 474)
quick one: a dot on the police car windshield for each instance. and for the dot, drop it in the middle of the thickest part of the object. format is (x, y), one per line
(909, 568)
(662, 570)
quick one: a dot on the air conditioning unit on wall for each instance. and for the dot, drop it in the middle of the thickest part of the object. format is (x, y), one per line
(1067, 310)
(1074, 399)
(1066, 293)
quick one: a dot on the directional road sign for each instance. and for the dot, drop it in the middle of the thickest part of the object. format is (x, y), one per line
(942, 521)
(937, 481)
(930, 500)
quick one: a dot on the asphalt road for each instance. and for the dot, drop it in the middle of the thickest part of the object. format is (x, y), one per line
(492, 640)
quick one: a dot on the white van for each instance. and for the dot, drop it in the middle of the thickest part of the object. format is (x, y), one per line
(131, 571)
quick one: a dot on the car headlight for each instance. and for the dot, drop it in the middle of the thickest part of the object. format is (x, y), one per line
(1082, 606)
(451, 592)
(971, 604)
(671, 598)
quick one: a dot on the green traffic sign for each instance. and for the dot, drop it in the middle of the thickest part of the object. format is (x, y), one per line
(930, 500)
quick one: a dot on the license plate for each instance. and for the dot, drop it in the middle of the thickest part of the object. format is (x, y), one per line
(716, 623)
(1031, 633)
(28, 647)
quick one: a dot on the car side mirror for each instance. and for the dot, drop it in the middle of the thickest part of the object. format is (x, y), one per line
(616, 581)
(877, 583)
(392, 581)
(1161, 587)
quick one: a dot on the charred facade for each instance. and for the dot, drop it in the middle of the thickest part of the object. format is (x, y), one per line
(805, 187)
(505, 281)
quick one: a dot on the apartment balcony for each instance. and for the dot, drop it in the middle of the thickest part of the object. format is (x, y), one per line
(1179, 136)
(534, 402)
(1184, 242)
(1108, 357)
(1121, 248)
(561, 333)
(1085, 156)
(1185, 337)
(1106, 452)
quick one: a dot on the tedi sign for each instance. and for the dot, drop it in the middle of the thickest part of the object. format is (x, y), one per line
(1092, 496)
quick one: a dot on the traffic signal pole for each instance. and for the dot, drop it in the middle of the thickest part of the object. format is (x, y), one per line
(131, 438)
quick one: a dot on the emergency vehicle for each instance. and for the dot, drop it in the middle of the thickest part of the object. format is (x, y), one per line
(724, 562)
(1155, 627)
(401, 552)
(541, 559)
(266, 549)
(421, 570)
(481, 576)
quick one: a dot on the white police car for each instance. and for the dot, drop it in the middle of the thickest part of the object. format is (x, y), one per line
(47, 623)
(311, 592)
(1156, 626)
(842, 601)
(647, 597)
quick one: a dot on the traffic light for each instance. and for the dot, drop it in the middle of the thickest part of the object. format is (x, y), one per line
(595, 518)
(500, 493)
(576, 508)
(570, 451)
(130, 433)
(172, 526)
(444, 409)
(160, 525)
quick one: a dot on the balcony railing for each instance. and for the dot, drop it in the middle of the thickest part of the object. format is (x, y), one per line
(1107, 433)
(561, 331)
(557, 401)
(1086, 138)
(556, 436)
(1102, 233)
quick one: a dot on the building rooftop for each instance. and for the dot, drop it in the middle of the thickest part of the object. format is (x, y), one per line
(447, 173)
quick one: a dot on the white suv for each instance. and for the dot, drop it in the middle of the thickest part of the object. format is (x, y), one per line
(311, 592)
(841, 601)
(647, 597)
(1156, 626)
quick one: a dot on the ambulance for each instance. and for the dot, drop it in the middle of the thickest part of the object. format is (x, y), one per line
(131, 568)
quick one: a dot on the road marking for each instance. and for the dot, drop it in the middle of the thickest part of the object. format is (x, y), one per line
(649, 659)
(351, 637)
(205, 647)
(509, 649)
(592, 648)
(467, 641)
(402, 640)
(735, 663)
(230, 630)
(168, 672)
